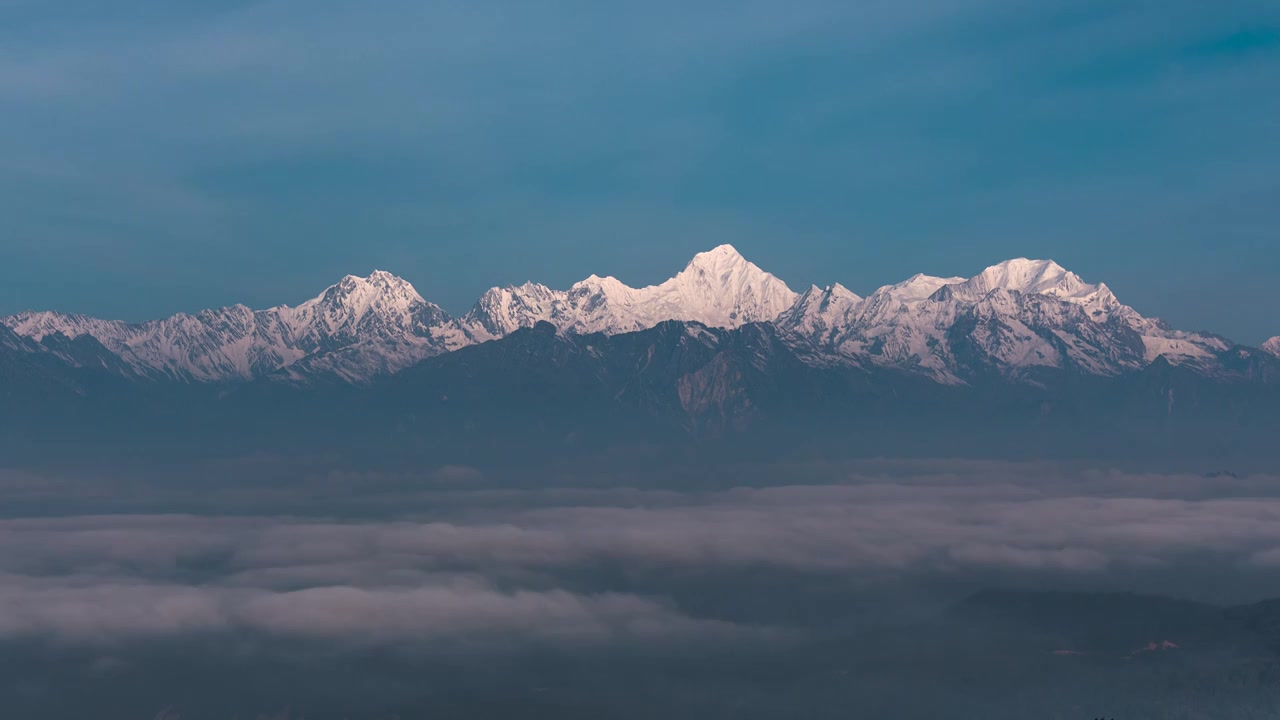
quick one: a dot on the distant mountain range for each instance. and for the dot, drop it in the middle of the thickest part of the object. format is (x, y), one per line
(723, 348)
(1015, 319)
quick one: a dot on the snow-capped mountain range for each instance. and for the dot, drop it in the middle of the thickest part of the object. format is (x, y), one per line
(1015, 319)
(356, 329)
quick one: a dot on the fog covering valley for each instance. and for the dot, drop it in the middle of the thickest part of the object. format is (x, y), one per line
(267, 587)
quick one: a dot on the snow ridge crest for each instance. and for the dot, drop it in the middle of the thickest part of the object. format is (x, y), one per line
(1018, 318)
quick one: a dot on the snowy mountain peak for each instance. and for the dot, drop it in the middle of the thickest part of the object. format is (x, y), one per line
(357, 328)
(841, 291)
(1021, 272)
(381, 297)
(917, 288)
(378, 305)
(503, 310)
(1014, 317)
(522, 290)
(718, 288)
(379, 284)
(826, 296)
(607, 283)
(717, 258)
(720, 262)
(721, 288)
(1038, 277)
(1048, 278)
(819, 312)
(1272, 346)
(1026, 276)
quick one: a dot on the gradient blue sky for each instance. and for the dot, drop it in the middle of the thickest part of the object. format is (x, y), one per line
(167, 155)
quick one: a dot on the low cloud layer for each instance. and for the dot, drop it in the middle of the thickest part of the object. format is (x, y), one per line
(82, 609)
(496, 565)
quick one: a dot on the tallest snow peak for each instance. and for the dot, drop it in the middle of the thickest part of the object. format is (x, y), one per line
(720, 259)
(718, 287)
(720, 252)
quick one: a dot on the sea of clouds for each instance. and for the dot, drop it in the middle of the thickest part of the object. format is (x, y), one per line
(459, 559)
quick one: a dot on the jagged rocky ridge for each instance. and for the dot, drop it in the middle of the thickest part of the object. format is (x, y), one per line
(1018, 320)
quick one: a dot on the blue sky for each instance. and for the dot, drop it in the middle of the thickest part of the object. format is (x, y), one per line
(158, 156)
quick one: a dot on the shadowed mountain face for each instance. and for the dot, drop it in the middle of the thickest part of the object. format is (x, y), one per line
(673, 388)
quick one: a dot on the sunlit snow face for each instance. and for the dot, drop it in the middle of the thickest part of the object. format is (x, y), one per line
(1020, 315)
